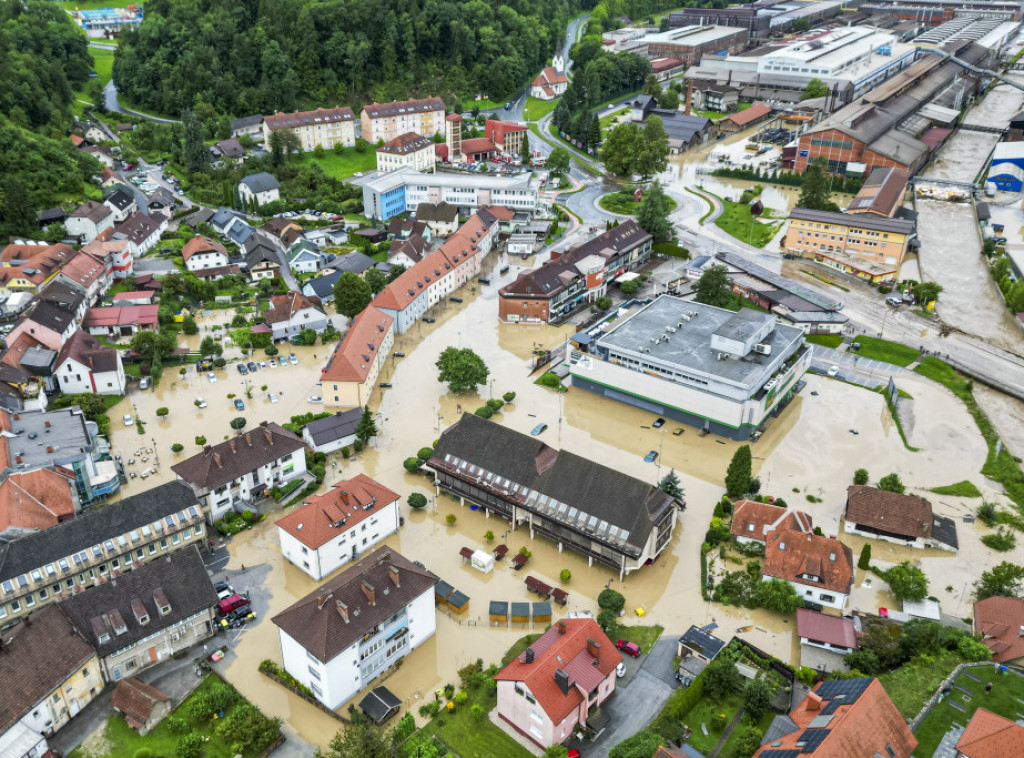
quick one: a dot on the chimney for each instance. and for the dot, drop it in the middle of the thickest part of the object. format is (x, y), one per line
(232, 445)
(1021, 632)
(216, 460)
(562, 680)
(528, 655)
(689, 96)
(393, 573)
(593, 648)
(248, 439)
(207, 448)
(342, 609)
(28, 621)
(562, 627)
(323, 598)
(369, 592)
(269, 436)
(814, 702)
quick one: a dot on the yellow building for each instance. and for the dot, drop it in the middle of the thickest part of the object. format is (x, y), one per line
(867, 246)
(385, 121)
(348, 379)
(323, 127)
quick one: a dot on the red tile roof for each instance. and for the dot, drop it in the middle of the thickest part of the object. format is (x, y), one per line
(862, 721)
(991, 736)
(35, 500)
(285, 307)
(751, 114)
(906, 515)
(136, 700)
(201, 244)
(568, 651)
(308, 118)
(793, 556)
(403, 144)
(821, 627)
(754, 520)
(665, 64)
(314, 523)
(478, 145)
(1000, 620)
(549, 76)
(354, 355)
(83, 269)
(121, 315)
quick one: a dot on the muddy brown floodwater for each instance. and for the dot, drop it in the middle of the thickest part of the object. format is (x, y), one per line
(808, 450)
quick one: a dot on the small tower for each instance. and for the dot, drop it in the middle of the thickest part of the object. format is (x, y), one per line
(453, 136)
(558, 63)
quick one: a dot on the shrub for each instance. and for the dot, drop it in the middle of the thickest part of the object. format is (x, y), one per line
(477, 711)
(461, 697)
(861, 476)
(177, 447)
(864, 562)
(565, 575)
(247, 515)
(987, 514)
(525, 552)
(358, 446)
(412, 465)
(891, 483)
(237, 423)
(508, 397)
(495, 405)
(1001, 541)
(611, 600)
(417, 500)
(424, 453)
(162, 411)
(718, 721)
(642, 743)
(450, 518)
(190, 746)
(271, 350)
(489, 535)
(603, 303)
(606, 620)
(200, 440)
(748, 743)
(176, 725)
(484, 411)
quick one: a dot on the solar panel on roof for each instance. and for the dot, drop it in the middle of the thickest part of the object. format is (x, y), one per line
(811, 739)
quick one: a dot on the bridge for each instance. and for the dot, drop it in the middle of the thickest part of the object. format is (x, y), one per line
(983, 128)
(969, 186)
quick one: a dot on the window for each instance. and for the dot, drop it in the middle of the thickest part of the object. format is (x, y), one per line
(43, 594)
(152, 548)
(29, 601)
(315, 672)
(15, 606)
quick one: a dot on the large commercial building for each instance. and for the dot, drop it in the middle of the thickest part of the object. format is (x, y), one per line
(762, 18)
(389, 194)
(689, 43)
(323, 127)
(563, 284)
(707, 367)
(936, 12)
(385, 121)
(595, 510)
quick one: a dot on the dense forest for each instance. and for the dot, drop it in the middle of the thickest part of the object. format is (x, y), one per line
(261, 56)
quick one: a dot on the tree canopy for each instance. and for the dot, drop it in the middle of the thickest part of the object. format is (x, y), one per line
(713, 287)
(814, 88)
(461, 369)
(907, 582)
(352, 293)
(1002, 580)
(558, 162)
(737, 477)
(652, 215)
(814, 188)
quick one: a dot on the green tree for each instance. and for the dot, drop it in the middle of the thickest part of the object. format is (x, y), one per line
(669, 100)
(524, 152)
(891, 483)
(153, 346)
(308, 336)
(461, 369)
(417, 500)
(815, 88)
(926, 292)
(651, 86)
(194, 153)
(737, 476)
(907, 582)
(778, 595)
(620, 149)
(558, 162)
(713, 287)
(395, 272)
(16, 212)
(189, 326)
(376, 278)
(367, 427)
(352, 294)
(861, 476)
(1003, 580)
(652, 215)
(210, 348)
(276, 143)
(864, 562)
(814, 187)
(721, 679)
(556, 751)
(237, 423)
(97, 96)
(360, 739)
(629, 288)
(757, 698)
(669, 484)
(643, 744)
(750, 740)
(653, 155)
(610, 600)
(594, 132)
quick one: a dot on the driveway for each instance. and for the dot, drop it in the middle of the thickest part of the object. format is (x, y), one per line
(153, 265)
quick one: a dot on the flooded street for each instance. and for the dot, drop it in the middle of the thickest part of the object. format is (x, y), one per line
(951, 255)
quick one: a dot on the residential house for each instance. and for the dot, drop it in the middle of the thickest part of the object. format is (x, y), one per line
(506, 136)
(323, 127)
(50, 673)
(284, 229)
(841, 717)
(121, 320)
(48, 324)
(549, 84)
(989, 735)
(31, 501)
(716, 98)
(89, 220)
(115, 255)
(237, 471)
(325, 435)
(594, 510)
(882, 192)
(408, 149)
(748, 117)
(203, 253)
(200, 216)
(138, 297)
(250, 126)
(228, 148)
(351, 629)
(147, 615)
(259, 189)
(442, 218)
(385, 121)
(91, 132)
(232, 225)
(121, 202)
(306, 258)
(323, 286)
(109, 179)
(99, 152)
(831, 637)
(752, 521)
(329, 530)
(903, 519)
(549, 690)
(326, 236)
(261, 258)
(63, 560)
(521, 244)
(28, 266)
(291, 314)
(141, 231)
(348, 379)
(142, 705)
(999, 621)
(162, 199)
(408, 252)
(867, 246)
(404, 228)
(66, 297)
(86, 366)
(51, 216)
(695, 650)
(819, 568)
(86, 274)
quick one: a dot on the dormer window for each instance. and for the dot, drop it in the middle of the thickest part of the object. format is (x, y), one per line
(141, 614)
(117, 622)
(161, 601)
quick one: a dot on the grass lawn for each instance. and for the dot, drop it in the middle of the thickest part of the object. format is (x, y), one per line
(890, 352)
(960, 489)
(341, 166)
(729, 748)
(622, 202)
(825, 340)
(606, 121)
(121, 740)
(736, 220)
(941, 372)
(469, 103)
(644, 636)
(473, 737)
(672, 249)
(91, 5)
(702, 713)
(737, 301)
(1002, 700)
(103, 62)
(535, 109)
(713, 115)
(912, 685)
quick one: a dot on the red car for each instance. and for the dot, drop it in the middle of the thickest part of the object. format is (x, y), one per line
(573, 754)
(629, 648)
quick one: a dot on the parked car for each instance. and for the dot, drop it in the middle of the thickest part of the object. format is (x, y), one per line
(832, 370)
(212, 377)
(242, 369)
(658, 423)
(225, 606)
(200, 403)
(144, 383)
(221, 586)
(262, 364)
(651, 456)
(251, 366)
(399, 355)
(620, 670)
(629, 648)
(272, 363)
(128, 420)
(538, 429)
(293, 359)
(239, 405)
(314, 399)
(273, 397)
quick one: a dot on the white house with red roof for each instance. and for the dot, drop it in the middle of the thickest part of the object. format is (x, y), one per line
(292, 313)
(330, 530)
(549, 84)
(547, 692)
(351, 372)
(752, 521)
(202, 253)
(86, 366)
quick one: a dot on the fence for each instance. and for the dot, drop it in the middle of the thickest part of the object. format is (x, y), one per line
(948, 682)
(307, 698)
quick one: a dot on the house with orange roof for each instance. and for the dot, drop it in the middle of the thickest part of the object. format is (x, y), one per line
(85, 274)
(121, 320)
(204, 253)
(329, 530)
(115, 255)
(549, 84)
(1000, 622)
(549, 690)
(819, 568)
(31, 501)
(292, 313)
(841, 718)
(752, 521)
(27, 267)
(990, 736)
(348, 379)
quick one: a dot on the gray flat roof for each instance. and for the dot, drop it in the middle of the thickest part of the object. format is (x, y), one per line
(690, 346)
(43, 438)
(382, 182)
